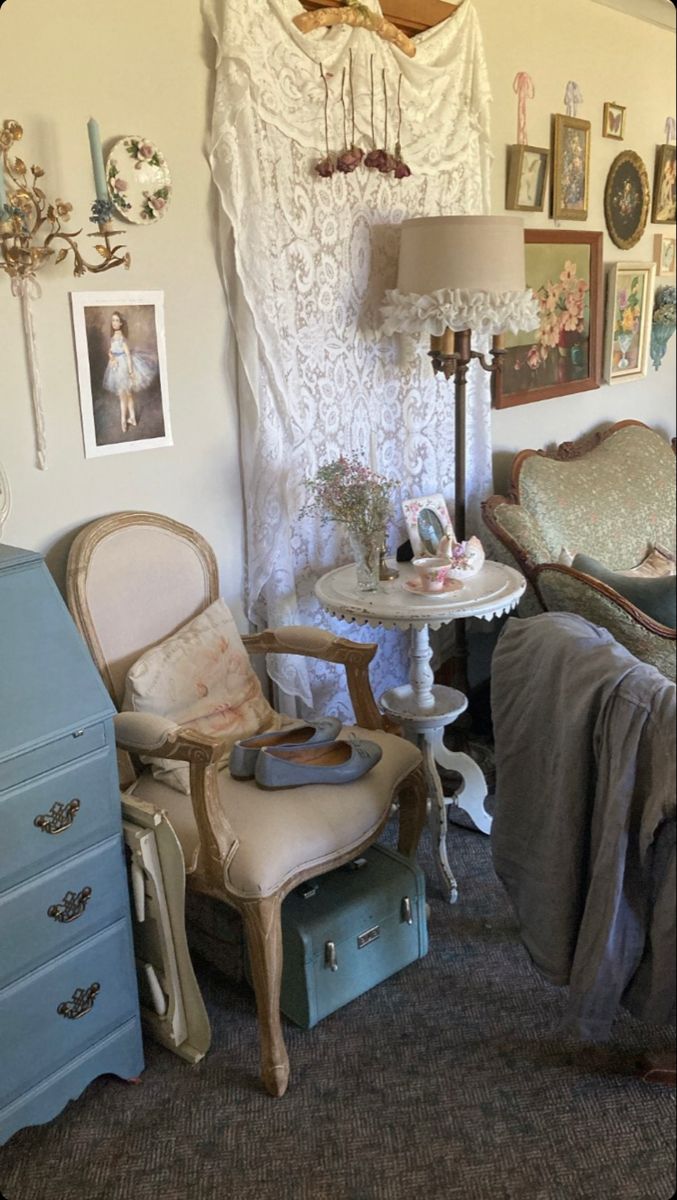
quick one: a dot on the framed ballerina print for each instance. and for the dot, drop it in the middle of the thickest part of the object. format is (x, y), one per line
(122, 371)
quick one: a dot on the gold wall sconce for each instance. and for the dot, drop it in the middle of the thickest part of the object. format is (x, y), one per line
(32, 234)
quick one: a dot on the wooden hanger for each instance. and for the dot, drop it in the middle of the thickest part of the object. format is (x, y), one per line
(359, 16)
(411, 16)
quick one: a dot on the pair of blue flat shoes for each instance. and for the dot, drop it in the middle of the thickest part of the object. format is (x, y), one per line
(289, 758)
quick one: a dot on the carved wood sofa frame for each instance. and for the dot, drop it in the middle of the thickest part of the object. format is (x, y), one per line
(536, 572)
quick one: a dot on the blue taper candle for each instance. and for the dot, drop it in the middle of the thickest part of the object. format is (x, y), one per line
(97, 159)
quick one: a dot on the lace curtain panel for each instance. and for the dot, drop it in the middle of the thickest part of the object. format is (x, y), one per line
(306, 262)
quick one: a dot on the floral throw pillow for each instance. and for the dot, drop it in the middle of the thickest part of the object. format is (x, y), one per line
(200, 676)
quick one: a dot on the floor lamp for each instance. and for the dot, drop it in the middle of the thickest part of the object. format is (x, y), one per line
(459, 276)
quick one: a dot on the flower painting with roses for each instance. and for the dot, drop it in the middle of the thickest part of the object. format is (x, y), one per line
(563, 270)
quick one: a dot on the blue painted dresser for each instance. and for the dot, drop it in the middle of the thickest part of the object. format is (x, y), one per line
(68, 998)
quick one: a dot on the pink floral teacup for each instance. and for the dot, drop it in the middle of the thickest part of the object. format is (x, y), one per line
(432, 572)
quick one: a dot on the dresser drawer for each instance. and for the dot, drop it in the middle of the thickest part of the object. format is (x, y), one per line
(51, 755)
(74, 807)
(61, 908)
(52, 1015)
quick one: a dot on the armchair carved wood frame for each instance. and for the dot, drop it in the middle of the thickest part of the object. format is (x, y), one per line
(121, 569)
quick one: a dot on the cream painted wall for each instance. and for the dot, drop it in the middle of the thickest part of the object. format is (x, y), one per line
(138, 68)
(145, 68)
(612, 56)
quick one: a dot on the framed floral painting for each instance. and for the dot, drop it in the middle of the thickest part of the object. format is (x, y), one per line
(664, 207)
(628, 322)
(563, 356)
(626, 199)
(570, 168)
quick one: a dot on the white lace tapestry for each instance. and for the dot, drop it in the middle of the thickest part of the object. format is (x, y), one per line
(306, 263)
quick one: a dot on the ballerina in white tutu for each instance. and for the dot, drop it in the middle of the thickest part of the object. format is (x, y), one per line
(128, 371)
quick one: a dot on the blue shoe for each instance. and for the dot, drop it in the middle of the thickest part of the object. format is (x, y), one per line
(243, 756)
(335, 762)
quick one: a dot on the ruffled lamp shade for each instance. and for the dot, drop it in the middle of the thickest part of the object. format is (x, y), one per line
(461, 273)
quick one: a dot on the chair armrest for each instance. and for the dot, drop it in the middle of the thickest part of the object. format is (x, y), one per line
(517, 530)
(146, 733)
(563, 589)
(311, 642)
(549, 579)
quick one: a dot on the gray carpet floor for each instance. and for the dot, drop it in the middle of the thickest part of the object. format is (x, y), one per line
(450, 1081)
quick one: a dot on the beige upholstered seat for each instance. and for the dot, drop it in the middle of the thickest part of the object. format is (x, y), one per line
(134, 579)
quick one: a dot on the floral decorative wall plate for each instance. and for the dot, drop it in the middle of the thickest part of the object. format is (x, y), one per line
(138, 180)
(626, 199)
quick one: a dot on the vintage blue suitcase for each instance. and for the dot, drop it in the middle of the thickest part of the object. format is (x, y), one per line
(346, 931)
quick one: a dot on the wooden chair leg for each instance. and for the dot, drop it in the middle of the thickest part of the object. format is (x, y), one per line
(413, 799)
(263, 931)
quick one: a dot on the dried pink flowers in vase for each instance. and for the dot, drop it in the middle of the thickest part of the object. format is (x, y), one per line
(349, 492)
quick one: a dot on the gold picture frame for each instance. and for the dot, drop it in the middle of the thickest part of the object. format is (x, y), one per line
(664, 207)
(570, 168)
(629, 310)
(527, 178)
(613, 121)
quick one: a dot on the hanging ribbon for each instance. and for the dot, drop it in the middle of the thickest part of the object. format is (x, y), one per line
(573, 96)
(670, 129)
(27, 288)
(523, 85)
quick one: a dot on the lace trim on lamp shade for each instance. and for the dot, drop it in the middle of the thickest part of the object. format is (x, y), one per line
(483, 312)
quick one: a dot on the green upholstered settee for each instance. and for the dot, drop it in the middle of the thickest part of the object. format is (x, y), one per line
(612, 497)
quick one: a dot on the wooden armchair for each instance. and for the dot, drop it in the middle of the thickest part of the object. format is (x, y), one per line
(135, 579)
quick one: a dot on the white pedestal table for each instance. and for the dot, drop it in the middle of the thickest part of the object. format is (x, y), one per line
(422, 707)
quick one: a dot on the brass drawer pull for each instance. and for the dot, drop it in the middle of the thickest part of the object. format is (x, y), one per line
(59, 817)
(71, 907)
(80, 1004)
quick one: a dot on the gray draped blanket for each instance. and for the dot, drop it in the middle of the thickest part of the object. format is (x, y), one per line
(583, 836)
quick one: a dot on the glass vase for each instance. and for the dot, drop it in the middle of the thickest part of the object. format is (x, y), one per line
(366, 552)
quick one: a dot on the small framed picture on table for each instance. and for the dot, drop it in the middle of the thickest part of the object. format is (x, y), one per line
(428, 521)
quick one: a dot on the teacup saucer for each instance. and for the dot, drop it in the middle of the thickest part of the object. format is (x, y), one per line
(415, 586)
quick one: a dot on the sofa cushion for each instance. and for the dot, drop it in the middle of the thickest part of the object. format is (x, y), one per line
(200, 676)
(656, 596)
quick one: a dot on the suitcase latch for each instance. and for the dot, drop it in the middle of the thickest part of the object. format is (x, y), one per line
(330, 956)
(406, 914)
(369, 935)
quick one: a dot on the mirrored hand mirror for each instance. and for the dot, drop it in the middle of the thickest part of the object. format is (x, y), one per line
(430, 530)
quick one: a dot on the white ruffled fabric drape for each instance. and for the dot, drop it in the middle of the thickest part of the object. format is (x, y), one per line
(307, 262)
